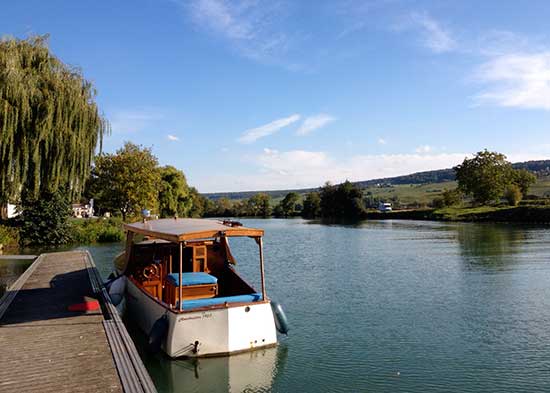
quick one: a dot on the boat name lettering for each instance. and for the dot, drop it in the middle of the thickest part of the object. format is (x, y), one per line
(188, 318)
(202, 316)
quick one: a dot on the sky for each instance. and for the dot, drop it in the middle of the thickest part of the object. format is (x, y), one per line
(264, 95)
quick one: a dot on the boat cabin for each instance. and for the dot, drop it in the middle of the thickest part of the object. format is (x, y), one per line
(186, 264)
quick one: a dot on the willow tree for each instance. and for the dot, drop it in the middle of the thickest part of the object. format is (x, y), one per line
(50, 124)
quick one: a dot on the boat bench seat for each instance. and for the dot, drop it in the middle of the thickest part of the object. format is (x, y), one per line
(194, 286)
(191, 304)
(188, 279)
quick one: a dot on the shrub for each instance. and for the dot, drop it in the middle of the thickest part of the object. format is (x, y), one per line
(86, 231)
(451, 197)
(45, 221)
(9, 236)
(438, 203)
(513, 194)
(110, 234)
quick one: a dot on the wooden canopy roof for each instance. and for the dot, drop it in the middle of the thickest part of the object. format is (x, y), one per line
(182, 229)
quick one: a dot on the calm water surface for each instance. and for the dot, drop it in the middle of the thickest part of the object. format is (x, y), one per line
(10, 270)
(390, 306)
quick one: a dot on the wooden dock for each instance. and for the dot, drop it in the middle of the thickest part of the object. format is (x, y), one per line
(44, 347)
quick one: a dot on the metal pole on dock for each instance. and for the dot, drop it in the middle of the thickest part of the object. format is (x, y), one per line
(180, 277)
(261, 244)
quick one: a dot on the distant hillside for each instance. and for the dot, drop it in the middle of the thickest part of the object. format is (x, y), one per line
(541, 168)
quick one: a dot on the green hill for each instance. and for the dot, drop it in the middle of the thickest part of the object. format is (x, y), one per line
(419, 187)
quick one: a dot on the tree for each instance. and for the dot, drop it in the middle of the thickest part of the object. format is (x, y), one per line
(524, 180)
(198, 203)
(485, 176)
(259, 205)
(127, 181)
(451, 197)
(174, 194)
(50, 124)
(447, 198)
(287, 206)
(312, 205)
(342, 201)
(45, 221)
(513, 194)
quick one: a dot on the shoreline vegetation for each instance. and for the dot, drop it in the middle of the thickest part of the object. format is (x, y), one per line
(50, 161)
(489, 214)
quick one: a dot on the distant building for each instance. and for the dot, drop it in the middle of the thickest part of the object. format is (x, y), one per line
(83, 210)
(385, 207)
(8, 211)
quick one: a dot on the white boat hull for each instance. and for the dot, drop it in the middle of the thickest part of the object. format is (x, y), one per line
(216, 331)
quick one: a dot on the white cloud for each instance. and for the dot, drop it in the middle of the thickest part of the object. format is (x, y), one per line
(382, 141)
(435, 37)
(516, 80)
(292, 162)
(302, 169)
(423, 149)
(132, 120)
(500, 42)
(250, 27)
(252, 135)
(273, 169)
(315, 122)
(172, 138)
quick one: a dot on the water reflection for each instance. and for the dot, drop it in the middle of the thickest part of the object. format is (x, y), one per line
(10, 270)
(246, 372)
(251, 372)
(490, 246)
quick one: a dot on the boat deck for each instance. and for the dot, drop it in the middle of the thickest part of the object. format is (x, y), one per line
(47, 348)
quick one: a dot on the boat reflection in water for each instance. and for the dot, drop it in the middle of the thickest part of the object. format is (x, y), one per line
(245, 372)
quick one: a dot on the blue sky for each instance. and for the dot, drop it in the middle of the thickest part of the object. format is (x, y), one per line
(252, 94)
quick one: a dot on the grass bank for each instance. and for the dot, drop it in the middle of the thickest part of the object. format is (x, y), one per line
(520, 214)
(83, 231)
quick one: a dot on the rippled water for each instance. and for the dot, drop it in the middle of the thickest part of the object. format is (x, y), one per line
(388, 306)
(10, 270)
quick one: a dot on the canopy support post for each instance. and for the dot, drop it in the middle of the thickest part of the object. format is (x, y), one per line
(261, 245)
(180, 277)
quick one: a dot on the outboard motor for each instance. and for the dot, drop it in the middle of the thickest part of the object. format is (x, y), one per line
(157, 334)
(281, 322)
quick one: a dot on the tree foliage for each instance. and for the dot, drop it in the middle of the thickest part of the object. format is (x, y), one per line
(127, 181)
(342, 201)
(485, 176)
(524, 180)
(259, 205)
(174, 195)
(50, 124)
(488, 174)
(448, 198)
(45, 221)
(287, 207)
(513, 194)
(198, 203)
(312, 205)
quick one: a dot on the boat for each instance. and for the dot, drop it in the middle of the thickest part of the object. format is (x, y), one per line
(183, 290)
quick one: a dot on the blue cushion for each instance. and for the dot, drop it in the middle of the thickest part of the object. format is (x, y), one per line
(191, 279)
(190, 304)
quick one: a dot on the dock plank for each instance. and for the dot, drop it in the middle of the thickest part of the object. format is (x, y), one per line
(46, 347)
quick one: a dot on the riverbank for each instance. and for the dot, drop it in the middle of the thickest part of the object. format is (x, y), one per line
(519, 214)
(83, 231)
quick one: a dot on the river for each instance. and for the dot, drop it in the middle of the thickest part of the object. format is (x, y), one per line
(387, 306)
